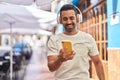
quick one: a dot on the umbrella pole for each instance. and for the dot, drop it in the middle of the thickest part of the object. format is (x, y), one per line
(11, 53)
(11, 21)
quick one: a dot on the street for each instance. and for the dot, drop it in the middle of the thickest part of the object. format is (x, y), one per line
(37, 67)
(33, 69)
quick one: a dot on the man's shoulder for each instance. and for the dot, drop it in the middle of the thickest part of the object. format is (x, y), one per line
(55, 36)
(84, 34)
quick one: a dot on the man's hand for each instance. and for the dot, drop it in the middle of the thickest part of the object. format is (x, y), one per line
(65, 56)
(55, 61)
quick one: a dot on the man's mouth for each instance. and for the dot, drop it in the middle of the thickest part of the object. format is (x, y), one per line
(69, 25)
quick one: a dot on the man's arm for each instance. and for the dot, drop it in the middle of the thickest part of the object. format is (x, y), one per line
(54, 62)
(99, 67)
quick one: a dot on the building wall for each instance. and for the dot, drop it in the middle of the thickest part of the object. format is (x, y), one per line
(113, 30)
(113, 39)
(114, 64)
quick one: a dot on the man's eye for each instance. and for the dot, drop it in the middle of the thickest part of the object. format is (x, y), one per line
(65, 19)
(72, 18)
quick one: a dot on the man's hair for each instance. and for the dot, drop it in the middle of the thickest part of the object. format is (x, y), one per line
(69, 7)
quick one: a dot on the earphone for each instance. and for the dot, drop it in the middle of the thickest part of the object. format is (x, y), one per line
(77, 10)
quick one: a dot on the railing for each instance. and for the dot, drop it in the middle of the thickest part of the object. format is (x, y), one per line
(95, 23)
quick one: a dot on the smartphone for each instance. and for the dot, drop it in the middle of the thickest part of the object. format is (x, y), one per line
(67, 44)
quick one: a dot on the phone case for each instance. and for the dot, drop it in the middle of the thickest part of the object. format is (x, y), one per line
(67, 44)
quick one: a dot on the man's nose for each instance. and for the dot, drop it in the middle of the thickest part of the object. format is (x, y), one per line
(68, 21)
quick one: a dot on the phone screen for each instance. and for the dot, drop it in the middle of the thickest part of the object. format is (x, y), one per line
(67, 44)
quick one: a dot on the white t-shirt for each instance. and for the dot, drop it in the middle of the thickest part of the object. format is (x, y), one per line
(77, 68)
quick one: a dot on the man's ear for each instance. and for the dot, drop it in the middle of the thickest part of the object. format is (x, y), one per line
(78, 18)
(59, 20)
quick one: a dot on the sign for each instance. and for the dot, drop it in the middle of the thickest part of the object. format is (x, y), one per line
(114, 18)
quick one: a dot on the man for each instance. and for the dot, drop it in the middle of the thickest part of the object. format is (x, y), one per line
(75, 64)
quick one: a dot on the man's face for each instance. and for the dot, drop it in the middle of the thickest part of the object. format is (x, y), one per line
(69, 20)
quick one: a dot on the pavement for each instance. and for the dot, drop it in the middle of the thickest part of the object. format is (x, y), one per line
(33, 69)
(37, 67)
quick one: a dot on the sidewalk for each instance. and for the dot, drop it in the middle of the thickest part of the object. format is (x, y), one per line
(37, 68)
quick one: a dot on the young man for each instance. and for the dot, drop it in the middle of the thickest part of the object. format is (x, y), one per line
(75, 64)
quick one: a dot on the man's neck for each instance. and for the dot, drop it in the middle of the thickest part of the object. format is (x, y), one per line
(71, 33)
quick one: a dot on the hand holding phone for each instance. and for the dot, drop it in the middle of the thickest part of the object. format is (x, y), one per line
(67, 45)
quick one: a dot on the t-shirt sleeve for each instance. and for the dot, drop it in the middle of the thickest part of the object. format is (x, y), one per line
(52, 48)
(93, 50)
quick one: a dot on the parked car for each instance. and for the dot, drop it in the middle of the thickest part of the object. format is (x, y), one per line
(17, 60)
(22, 48)
(4, 64)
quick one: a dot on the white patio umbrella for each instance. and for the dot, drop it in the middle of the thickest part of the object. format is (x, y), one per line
(44, 5)
(17, 16)
(19, 2)
(24, 16)
(23, 31)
